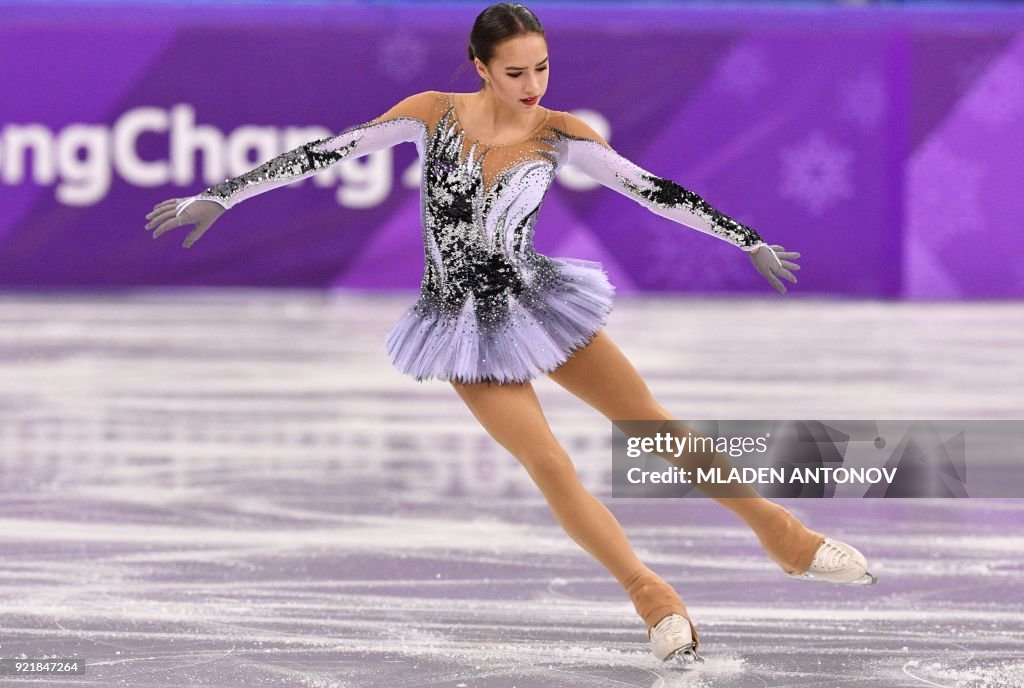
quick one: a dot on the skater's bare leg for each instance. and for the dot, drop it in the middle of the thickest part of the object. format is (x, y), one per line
(601, 375)
(512, 414)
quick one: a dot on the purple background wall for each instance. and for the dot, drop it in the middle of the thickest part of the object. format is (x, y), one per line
(884, 146)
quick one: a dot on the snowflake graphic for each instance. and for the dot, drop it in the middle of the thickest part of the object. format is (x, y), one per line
(744, 72)
(402, 56)
(943, 194)
(816, 173)
(998, 98)
(862, 100)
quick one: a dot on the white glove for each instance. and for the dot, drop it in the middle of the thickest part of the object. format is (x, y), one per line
(176, 212)
(774, 260)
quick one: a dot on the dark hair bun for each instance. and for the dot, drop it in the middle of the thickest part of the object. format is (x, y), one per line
(498, 23)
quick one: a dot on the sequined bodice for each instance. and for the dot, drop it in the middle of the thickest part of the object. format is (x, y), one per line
(480, 208)
(495, 158)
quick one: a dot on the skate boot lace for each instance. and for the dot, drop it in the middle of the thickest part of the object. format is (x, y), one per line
(830, 557)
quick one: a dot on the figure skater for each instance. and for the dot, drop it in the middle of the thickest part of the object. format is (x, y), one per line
(493, 313)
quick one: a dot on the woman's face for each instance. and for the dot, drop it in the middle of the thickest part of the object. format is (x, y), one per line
(518, 70)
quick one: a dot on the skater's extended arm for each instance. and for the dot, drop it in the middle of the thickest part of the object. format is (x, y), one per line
(404, 122)
(588, 151)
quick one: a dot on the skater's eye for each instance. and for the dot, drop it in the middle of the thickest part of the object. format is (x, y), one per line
(518, 73)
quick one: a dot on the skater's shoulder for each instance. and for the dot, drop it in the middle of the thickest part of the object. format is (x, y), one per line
(575, 127)
(418, 105)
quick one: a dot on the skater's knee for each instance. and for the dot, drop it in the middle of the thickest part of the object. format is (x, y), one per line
(644, 418)
(652, 410)
(644, 407)
(550, 467)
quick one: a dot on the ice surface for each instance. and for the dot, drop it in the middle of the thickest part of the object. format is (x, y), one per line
(231, 489)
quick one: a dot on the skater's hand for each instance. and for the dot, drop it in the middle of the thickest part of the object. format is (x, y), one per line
(166, 217)
(773, 261)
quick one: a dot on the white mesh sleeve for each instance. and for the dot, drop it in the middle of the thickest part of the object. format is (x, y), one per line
(391, 128)
(659, 195)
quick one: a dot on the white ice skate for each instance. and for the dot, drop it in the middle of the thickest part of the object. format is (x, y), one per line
(837, 562)
(671, 638)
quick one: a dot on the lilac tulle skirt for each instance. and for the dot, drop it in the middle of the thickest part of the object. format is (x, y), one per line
(537, 336)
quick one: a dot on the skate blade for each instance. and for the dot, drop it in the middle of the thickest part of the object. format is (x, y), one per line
(866, 579)
(686, 656)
